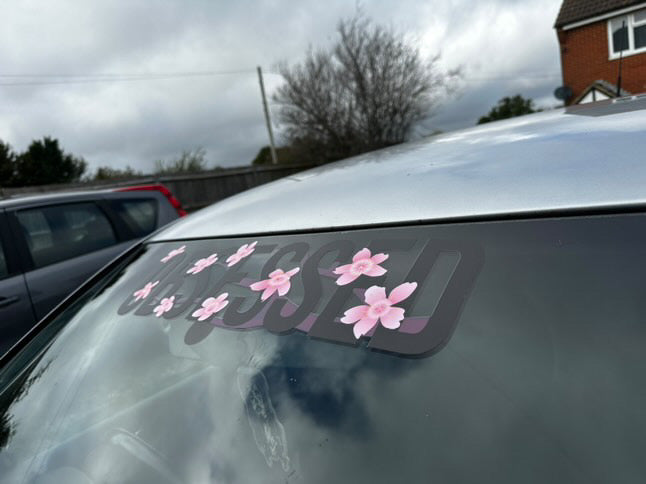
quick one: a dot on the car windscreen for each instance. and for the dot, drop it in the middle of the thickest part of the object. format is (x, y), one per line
(503, 351)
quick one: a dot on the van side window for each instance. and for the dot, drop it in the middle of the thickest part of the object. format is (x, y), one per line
(60, 232)
(4, 271)
(139, 215)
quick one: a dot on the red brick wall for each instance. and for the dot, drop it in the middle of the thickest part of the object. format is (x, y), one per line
(584, 59)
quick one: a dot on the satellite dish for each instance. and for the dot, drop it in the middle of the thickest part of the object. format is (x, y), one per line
(563, 93)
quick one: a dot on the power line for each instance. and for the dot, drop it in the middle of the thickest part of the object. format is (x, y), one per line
(53, 79)
(511, 77)
(46, 79)
(139, 74)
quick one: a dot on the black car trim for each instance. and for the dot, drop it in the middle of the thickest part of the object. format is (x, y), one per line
(633, 209)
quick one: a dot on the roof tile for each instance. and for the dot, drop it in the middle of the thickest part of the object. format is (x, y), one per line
(576, 10)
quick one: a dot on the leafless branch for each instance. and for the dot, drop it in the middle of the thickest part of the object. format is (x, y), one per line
(365, 92)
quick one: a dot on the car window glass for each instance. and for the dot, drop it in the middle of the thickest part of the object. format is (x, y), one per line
(619, 34)
(4, 271)
(60, 232)
(640, 36)
(177, 369)
(139, 215)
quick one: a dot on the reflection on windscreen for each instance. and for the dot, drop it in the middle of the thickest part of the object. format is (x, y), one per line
(537, 378)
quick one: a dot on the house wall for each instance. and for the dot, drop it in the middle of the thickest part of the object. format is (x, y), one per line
(585, 59)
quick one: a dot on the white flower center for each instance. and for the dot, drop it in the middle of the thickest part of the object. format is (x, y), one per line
(279, 280)
(379, 308)
(361, 266)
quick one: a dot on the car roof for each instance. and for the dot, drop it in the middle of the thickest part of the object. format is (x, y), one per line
(31, 200)
(57, 197)
(584, 157)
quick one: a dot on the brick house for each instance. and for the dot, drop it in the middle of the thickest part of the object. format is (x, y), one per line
(593, 36)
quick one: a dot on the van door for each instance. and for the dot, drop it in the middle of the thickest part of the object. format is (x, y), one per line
(16, 314)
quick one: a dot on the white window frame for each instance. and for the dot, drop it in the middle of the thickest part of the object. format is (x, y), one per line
(631, 23)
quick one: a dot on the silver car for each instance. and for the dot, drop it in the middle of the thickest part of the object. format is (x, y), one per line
(467, 308)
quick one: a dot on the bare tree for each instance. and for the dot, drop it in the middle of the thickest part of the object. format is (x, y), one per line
(365, 92)
(190, 161)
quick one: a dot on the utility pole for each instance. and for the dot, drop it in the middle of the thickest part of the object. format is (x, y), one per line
(274, 158)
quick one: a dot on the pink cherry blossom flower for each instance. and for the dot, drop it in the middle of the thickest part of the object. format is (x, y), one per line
(144, 291)
(244, 251)
(362, 263)
(164, 306)
(278, 281)
(173, 253)
(379, 308)
(210, 306)
(202, 264)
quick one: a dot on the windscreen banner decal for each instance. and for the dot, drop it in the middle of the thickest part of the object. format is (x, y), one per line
(399, 289)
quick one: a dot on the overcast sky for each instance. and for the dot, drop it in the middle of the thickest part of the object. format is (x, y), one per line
(504, 46)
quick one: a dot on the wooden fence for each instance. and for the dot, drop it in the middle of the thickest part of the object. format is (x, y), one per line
(195, 190)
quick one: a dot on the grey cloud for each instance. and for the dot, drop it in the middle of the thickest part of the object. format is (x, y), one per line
(137, 122)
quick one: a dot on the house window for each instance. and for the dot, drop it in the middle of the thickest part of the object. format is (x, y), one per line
(639, 29)
(627, 34)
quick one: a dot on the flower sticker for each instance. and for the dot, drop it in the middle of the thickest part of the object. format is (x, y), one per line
(144, 291)
(378, 308)
(362, 263)
(244, 251)
(210, 306)
(173, 253)
(202, 264)
(164, 306)
(278, 281)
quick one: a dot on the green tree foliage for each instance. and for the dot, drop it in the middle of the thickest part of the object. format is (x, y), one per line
(108, 173)
(7, 165)
(365, 92)
(190, 161)
(285, 155)
(45, 162)
(509, 107)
